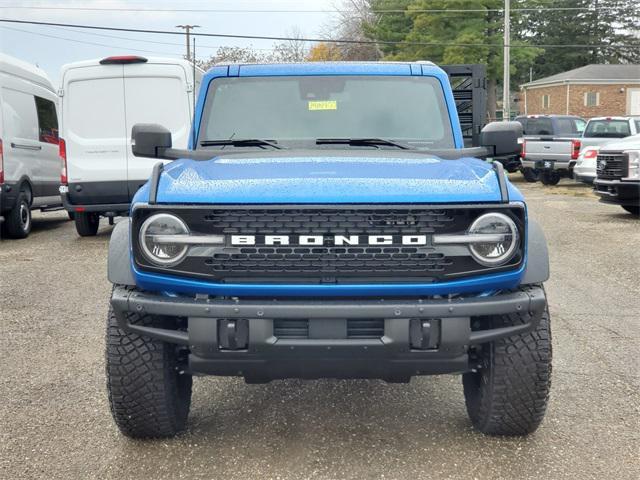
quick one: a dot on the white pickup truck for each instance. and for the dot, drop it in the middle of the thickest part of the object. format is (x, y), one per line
(555, 157)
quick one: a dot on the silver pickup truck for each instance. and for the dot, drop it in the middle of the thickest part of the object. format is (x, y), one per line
(551, 146)
(602, 130)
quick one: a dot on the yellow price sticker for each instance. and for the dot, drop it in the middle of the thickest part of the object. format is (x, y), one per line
(323, 105)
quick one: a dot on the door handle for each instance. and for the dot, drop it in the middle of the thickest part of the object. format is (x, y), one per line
(26, 147)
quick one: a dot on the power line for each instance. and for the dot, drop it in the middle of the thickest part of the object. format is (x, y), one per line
(316, 40)
(213, 47)
(252, 11)
(88, 43)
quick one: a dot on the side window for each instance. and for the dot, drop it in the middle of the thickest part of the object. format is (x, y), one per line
(637, 126)
(546, 101)
(591, 99)
(19, 115)
(47, 121)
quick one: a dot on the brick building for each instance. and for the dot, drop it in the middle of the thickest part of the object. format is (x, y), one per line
(590, 91)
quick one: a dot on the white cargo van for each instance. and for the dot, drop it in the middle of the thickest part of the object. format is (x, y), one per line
(29, 162)
(100, 101)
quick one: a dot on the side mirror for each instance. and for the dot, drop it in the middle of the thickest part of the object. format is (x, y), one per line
(150, 140)
(502, 138)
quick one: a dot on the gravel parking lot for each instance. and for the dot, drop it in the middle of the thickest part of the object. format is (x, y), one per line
(56, 424)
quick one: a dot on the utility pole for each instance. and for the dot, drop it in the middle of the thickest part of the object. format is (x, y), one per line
(506, 97)
(187, 29)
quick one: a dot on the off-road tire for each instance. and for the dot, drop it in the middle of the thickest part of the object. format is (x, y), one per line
(18, 221)
(530, 175)
(148, 394)
(632, 209)
(508, 394)
(87, 223)
(550, 178)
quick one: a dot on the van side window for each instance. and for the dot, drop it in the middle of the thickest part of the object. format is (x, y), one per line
(47, 121)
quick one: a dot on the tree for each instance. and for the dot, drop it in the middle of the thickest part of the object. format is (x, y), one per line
(449, 37)
(609, 24)
(324, 52)
(352, 17)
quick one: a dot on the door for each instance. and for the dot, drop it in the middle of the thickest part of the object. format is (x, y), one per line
(93, 127)
(155, 93)
(634, 101)
(49, 160)
(20, 144)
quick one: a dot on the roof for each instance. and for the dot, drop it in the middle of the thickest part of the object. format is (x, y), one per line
(13, 66)
(620, 73)
(325, 68)
(149, 60)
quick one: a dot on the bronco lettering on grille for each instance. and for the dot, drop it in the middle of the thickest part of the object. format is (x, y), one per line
(338, 240)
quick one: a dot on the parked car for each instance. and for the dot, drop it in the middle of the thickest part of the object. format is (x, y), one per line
(585, 169)
(101, 100)
(29, 163)
(551, 146)
(311, 232)
(618, 174)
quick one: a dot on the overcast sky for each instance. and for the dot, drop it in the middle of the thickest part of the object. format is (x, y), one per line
(52, 47)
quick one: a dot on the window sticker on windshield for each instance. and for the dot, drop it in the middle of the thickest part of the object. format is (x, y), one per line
(323, 105)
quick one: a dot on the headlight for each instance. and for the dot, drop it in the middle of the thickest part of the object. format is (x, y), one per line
(634, 164)
(155, 239)
(494, 253)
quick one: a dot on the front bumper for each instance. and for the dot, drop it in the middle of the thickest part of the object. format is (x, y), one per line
(420, 336)
(618, 192)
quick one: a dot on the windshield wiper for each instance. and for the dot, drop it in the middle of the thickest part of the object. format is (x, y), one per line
(361, 142)
(244, 142)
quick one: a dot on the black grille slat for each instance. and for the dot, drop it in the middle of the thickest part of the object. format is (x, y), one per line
(612, 166)
(356, 328)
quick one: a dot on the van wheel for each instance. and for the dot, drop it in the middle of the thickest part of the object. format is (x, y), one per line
(87, 223)
(530, 175)
(632, 209)
(18, 221)
(550, 178)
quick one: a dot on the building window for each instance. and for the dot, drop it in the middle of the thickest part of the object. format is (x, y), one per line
(546, 101)
(591, 99)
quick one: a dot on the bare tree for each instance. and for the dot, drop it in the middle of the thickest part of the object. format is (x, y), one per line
(293, 50)
(349, 24)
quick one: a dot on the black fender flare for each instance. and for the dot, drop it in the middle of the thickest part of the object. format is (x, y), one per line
(537, 270)
(118, 263)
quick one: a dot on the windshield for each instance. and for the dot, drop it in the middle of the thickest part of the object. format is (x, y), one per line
(608, 128)
(409, 109)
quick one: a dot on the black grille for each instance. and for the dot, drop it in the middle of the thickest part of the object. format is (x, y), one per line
(356, 328)
(327, 262)
(318, 221)
(612, 166)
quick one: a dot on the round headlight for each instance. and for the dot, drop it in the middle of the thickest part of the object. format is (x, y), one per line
(494, 253)
(155, 239)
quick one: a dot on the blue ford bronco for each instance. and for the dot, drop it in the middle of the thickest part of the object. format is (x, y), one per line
(328, 222)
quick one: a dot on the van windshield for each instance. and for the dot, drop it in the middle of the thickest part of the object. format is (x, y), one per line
(309, 108)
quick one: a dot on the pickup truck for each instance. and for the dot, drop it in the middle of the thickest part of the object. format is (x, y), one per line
(549, 146)
(327, 221)
(618, 174)
(602, 130)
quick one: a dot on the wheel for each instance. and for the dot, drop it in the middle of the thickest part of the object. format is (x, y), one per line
(87, 223)
(508, 393)
(148, 395)
(531, 175)
(18, 221)
(550, 178)
(632, 209)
